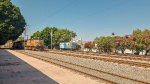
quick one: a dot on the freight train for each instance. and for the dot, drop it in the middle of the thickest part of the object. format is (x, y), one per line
(31, 44)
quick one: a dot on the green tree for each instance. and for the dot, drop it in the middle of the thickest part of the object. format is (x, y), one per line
(63, 35)
(131, 43)
(46, 36)
(105, 44)
(139, 40)
(20, 39)
(12, 23)
(58, 35)
(36, 34)
(121, 43)
(146, 35)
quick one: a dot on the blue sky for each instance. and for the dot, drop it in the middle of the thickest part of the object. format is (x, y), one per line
(88, 18)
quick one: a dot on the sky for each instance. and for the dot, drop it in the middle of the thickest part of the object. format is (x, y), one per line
(88, 18)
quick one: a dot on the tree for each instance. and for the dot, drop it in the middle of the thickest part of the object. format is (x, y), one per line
(12, 23)
(88, 45)
(58, 35)
(146, 35)
(46, 36)
(20, 39)
(36, 35)
(63, 35)
(131, 43)
(139, 40)
(78, 47)
(121, 43)
(105, 44)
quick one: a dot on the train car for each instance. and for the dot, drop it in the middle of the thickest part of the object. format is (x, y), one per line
(35, 44)
(31, 44)
(18, 45)
(7, 45)
(65, 45)
(68, 46)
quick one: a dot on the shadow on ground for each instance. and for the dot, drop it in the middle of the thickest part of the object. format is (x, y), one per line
(13, 70)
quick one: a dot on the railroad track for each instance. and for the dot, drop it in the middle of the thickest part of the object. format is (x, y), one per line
(138, 58)
(107, 59)
(107, 76)
(97, 54)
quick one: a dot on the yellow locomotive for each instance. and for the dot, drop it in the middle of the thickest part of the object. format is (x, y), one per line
(31, 44)
(34, 44)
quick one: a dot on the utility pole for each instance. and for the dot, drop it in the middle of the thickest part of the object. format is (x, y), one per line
(25, 36)
(81, 44)
(51, 38)
(71, 40)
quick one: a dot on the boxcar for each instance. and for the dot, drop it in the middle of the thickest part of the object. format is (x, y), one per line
(18, 45)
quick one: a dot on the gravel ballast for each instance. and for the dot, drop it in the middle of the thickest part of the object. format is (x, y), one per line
(137, 73)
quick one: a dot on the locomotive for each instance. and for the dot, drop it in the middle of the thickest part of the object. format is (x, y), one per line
(31, 44)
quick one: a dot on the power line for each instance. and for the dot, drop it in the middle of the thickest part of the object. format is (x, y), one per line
(63, 8)
(102, 11)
